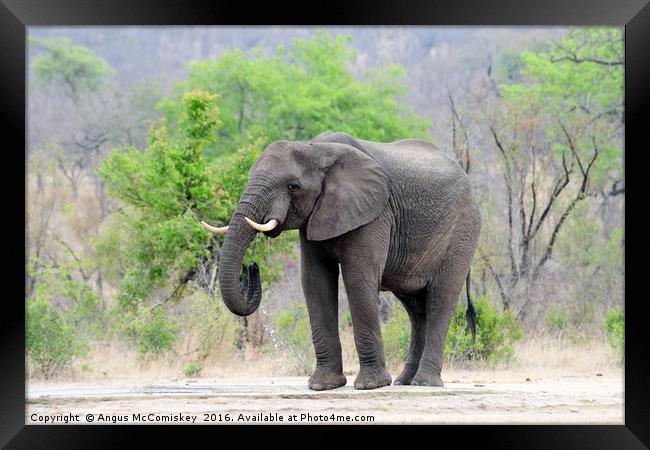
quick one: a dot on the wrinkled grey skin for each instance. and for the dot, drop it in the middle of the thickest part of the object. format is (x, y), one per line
(399, 217)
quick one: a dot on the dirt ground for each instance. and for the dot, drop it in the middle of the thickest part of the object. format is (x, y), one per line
(469, 397)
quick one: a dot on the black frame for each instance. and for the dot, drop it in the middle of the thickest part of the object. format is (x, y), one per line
(16, 15)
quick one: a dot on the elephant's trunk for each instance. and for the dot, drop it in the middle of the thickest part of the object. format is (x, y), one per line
(242, 297)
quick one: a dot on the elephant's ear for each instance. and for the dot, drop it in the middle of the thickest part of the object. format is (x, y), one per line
(354, 192)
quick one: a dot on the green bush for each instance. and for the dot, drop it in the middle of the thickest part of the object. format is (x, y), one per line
(396, 335)
(52, 344)
(346, 319)
(55, 337)
(495, 333)
(556, 321)
(164, 191)
(615, 329)
(77, 303)
(193, 369)
(216, 328)
(155, 334)
(293, 334)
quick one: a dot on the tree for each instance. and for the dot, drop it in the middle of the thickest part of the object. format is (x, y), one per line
(558, 136)
(297, 93)
(76, 68)
(164, 191)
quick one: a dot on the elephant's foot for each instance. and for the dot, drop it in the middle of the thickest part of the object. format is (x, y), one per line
(422, 378)
(406, 377)
(323, 380)
(372, 378)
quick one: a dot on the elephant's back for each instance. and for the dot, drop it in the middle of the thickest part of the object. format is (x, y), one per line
(416, 161)
(409, 162)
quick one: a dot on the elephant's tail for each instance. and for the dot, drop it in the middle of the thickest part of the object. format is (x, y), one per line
(470, 315)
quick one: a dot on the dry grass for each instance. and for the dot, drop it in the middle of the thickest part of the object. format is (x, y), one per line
(539, 359)
(563, 355)
(545, 359)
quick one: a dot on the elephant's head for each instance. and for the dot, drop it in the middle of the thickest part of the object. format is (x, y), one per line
(326, 188)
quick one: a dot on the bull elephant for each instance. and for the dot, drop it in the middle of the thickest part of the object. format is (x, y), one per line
(393, 216)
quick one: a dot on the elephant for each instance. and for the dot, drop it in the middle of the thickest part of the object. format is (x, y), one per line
(397, 217)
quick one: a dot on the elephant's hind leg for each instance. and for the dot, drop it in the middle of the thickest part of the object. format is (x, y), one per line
(415, 307)
(440, 304)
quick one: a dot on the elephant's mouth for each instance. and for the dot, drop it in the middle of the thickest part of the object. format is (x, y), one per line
(275, 232)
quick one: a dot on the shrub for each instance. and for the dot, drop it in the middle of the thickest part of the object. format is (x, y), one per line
(155, 334)
(56, 336)
(52, 344)
(217, 329)
(163, 191)
(293, 335)
(346, 319)
(615, 329)
(556, 321)
(396, 335)
(495, 334)
(193, 369)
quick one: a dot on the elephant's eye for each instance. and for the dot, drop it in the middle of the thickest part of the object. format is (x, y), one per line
(293, 187)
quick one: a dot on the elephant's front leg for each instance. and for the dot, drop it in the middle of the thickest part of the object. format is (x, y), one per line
(362, 296)
(320, 285)
(362, 277)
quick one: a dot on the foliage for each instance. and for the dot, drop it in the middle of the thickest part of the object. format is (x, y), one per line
(61, 315)
(495, 333)
(293, 335)
(77, 302)
(193, 369)
(216, 328)
(597, 263)
(299, 92)
(615, 329)
(556, 321)
(165, 190)
(74, 66)
(51, 343)
(155, 333)
(346, 319)
(557, 133)
(396, 335)
(569, 85)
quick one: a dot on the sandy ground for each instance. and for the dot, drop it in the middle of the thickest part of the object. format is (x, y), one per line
(470, 397)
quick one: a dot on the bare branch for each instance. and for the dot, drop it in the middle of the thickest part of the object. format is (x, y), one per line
(581, 194)
(464, 149)
(573, 58)
(180, 286)
(615, 189)
(573, 148)
(84, 275)
(561, 183)
(508, 180)
(533, 189)
(556, 230)
(497, 279)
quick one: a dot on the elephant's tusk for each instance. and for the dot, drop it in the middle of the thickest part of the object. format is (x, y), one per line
(268, 226)
(215, 230)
